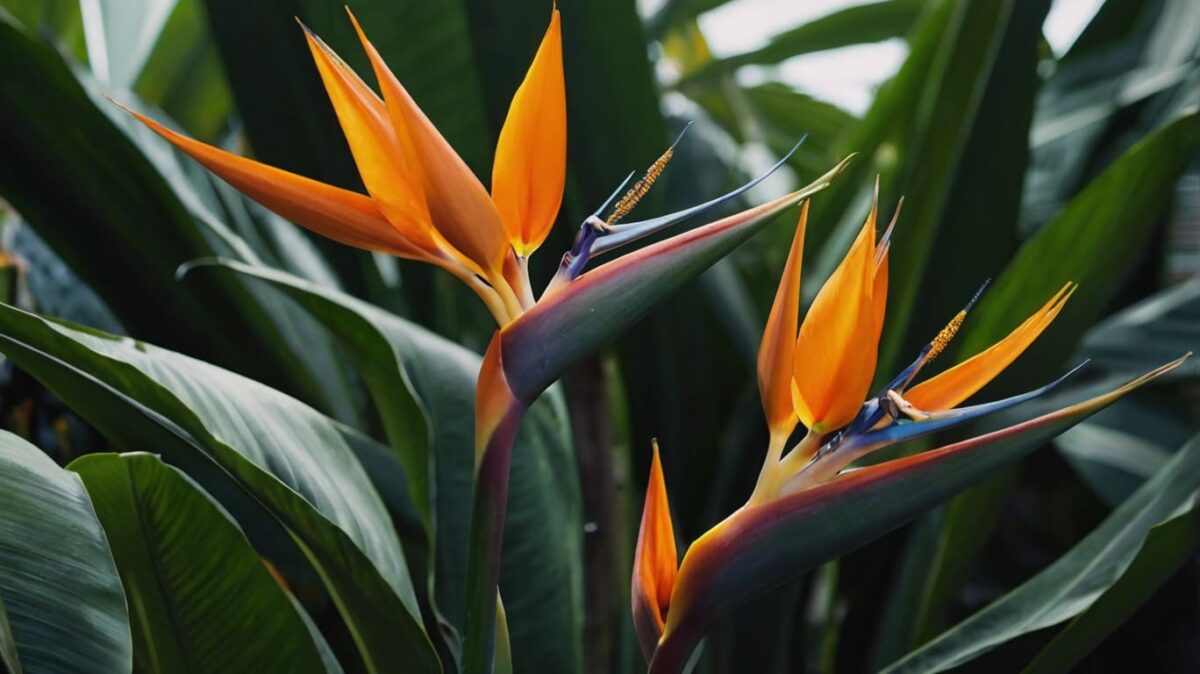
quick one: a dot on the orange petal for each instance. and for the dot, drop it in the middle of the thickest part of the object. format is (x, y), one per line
(391, 182)
(879, 293)
(530, 168)
(960, 382)
(654, 562)
(779, 340)
(341, 215)
(461, 209)
(836, 350)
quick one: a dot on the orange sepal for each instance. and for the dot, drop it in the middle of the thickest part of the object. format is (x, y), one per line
(960, 382)
(654, 563)
(836, 350)
(530, 167)
(338, 214)
(460, 207)
(388, 177)
(779, 340)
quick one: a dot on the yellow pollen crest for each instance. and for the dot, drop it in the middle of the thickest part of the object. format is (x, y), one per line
(943, 338)
(639, 190)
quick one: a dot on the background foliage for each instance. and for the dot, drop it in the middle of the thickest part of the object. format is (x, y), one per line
(1016, 163)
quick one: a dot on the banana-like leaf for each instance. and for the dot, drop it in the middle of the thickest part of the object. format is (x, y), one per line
(424, 388)
(759, 548)
(61, 595)
(1083, 578)
(295, 462)
(201, 599)
(957, 204)
(589, 311)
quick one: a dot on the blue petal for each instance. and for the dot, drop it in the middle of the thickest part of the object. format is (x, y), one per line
(900, 431)
(632, 231)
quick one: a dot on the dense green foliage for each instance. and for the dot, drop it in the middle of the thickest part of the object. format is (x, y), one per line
(279, 477)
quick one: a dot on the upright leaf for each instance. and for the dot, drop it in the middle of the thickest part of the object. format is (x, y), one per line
(62, 600)
(201, 599)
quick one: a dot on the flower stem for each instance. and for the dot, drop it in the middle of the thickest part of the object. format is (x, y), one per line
(498, 415)
(776, 471)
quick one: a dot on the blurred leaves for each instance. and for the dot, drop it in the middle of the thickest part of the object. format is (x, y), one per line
(120, 36)
(1166, 323)
(858, 24)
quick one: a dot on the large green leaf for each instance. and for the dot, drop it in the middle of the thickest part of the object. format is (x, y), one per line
(90, 179)
(60, 591)
(1093, 242)
(201, 599)
(424, 389)
(1126, 543)
(295, 462)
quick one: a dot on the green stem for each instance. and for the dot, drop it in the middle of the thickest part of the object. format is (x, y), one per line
(487, 533)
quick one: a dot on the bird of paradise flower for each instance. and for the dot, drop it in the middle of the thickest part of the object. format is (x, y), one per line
(820, 376)
(423, 203)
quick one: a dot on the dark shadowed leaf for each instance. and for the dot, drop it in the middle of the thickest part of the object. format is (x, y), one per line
(1130, 541)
